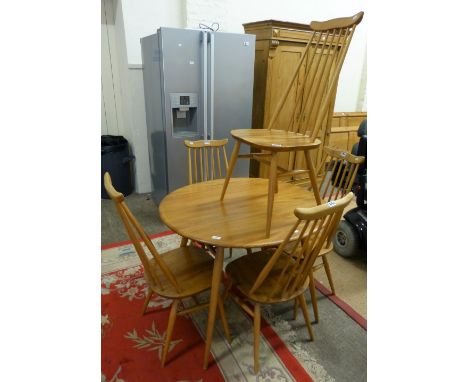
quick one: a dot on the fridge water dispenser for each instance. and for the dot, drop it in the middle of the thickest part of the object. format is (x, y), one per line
(184, 114)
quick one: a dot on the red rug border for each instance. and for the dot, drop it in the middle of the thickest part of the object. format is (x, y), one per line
(355, 316)
(281, 349)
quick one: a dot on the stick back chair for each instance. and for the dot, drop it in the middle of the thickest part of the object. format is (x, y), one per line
(296, 134)
(272, 276)
(176, 274)
(207, 160)
(337, 172)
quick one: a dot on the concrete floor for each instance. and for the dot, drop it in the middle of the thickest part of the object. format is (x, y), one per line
(349, 275)
(144, 209)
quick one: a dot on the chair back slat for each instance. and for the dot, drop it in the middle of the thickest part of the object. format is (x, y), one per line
(314, 226)
(226, 164)
(318, 71)
(137, 234)
(195, 165)
(289, 87)
(295, 263)
(206, 163)
(350, 179)
(337, 171)
(212, 165)
(219, 162)
(289, 271)
(323, 84)
(138, 247)
(200, 157)
(189, 162)
(309, 252)
(267, 268)
(208, 166)
(316, 61)
(334, 74)
(310, 63)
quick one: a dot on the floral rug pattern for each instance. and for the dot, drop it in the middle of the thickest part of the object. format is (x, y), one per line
(132, 343)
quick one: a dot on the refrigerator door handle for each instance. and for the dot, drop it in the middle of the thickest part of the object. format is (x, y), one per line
(205, 85)
(212, 69)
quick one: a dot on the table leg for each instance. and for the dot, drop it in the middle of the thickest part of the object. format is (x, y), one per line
(183, 242)
(271, 190)
(232, 163)
(217, 273)
(313, 178)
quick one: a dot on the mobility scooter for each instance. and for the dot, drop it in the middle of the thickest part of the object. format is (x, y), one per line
(351, 236)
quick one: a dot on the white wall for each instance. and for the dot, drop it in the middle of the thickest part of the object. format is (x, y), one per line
(144, 17)
(133, 20)
(231, 14)
(111, 104)
(133, 106)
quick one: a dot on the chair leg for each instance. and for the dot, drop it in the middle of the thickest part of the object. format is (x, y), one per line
(170, 328)
(215, 281)
(232, 163)
(222, 315)
(305, 312)
(147, 300)
(312, 177)
(256, 336)
(271, 191)
(313, 296)
(230, 253)
(296, 304)
(183, 242)
(328, 272)
(249, 251)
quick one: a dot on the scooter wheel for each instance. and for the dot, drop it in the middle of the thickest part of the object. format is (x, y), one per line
(346, 240)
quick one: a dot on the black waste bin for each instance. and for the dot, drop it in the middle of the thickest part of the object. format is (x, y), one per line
(116, 160)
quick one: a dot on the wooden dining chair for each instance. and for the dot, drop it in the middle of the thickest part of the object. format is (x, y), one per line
(273, 276)
(207, 160)
(295, 133)
(336, 172)
(176, 274)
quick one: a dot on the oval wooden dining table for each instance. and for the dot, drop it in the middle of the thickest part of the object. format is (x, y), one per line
(196, 213)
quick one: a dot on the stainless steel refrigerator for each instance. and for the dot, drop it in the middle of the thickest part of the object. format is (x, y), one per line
(198, 85)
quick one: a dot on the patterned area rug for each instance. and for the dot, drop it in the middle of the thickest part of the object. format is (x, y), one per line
(132, 343)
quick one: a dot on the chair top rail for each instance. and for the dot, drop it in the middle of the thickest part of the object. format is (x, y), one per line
(207, 143)
(338, 23)
(113, 193)
(323, 209)
(342, 154)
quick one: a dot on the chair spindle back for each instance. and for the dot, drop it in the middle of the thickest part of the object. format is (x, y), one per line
(337, 171)
(137, 233)
(318, 72)
(313, 227)
(206, 160)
